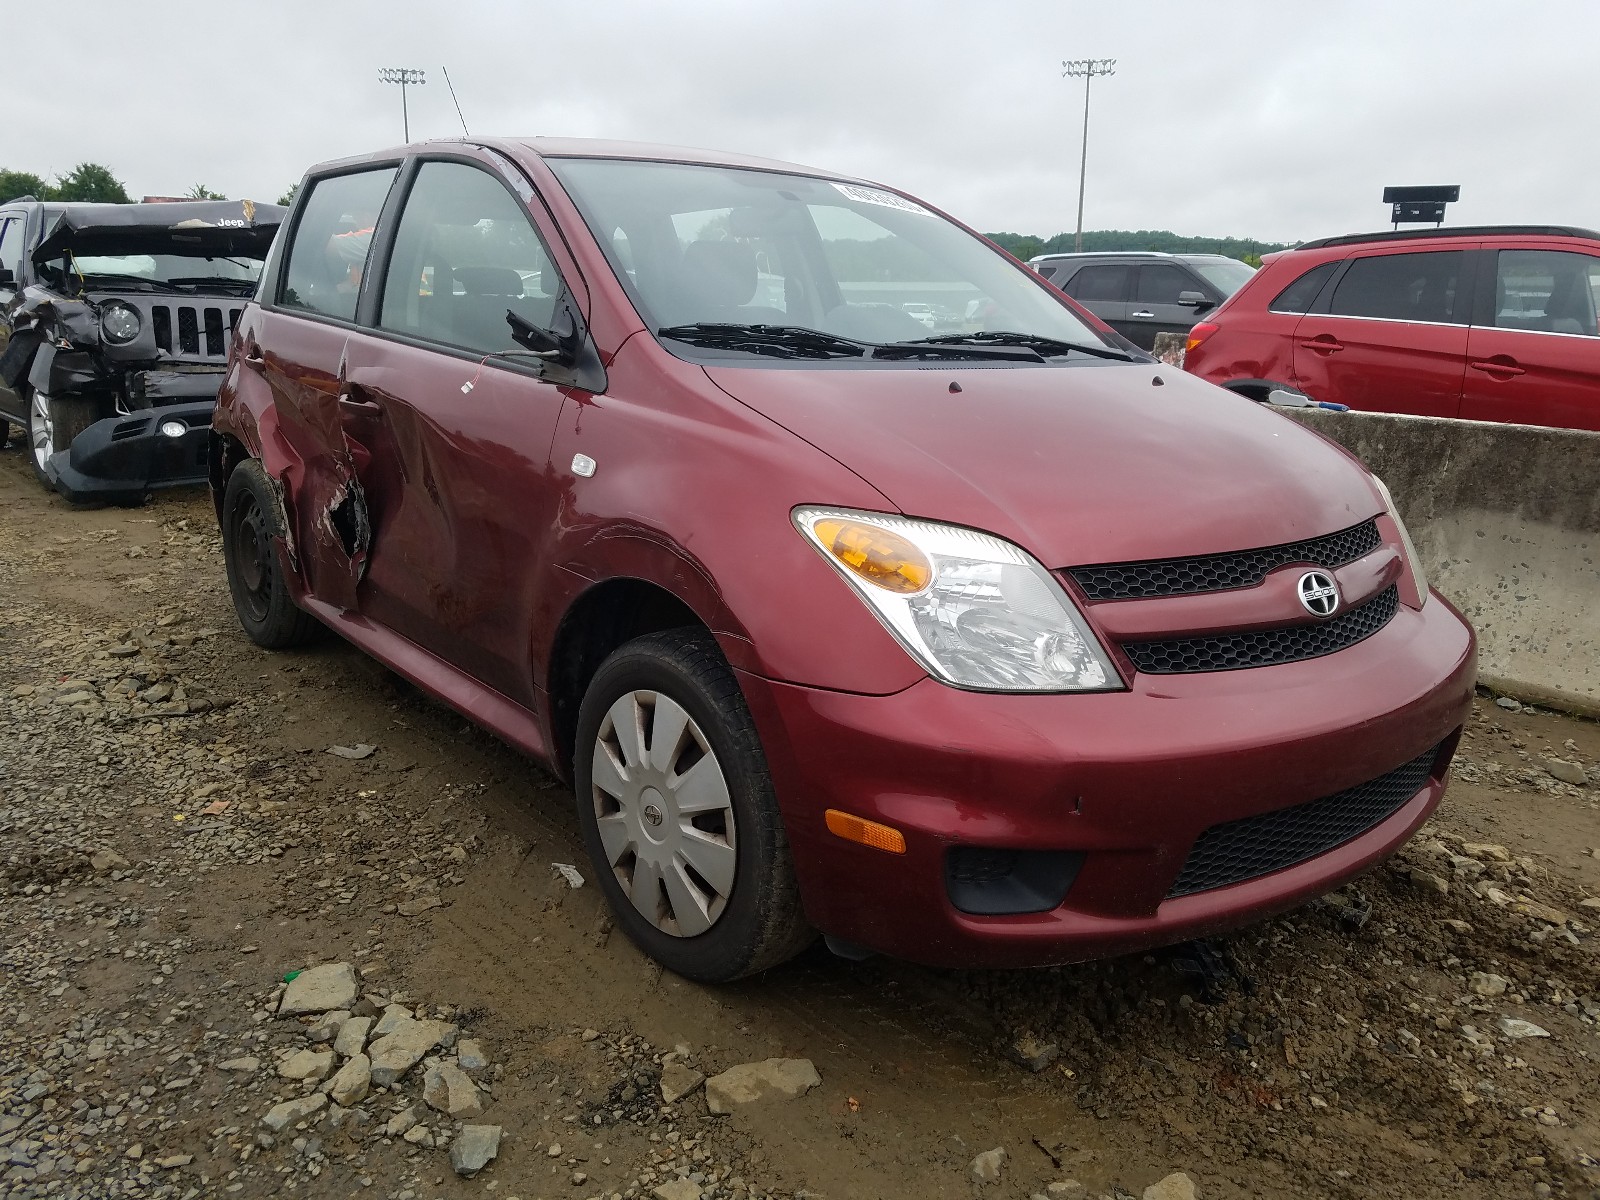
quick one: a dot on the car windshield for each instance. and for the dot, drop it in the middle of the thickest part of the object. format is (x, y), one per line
(112, 269)
(1226, 275)
(700, 246)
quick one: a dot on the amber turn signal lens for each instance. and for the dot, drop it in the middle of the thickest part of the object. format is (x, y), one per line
(879, 556)
(868, 833)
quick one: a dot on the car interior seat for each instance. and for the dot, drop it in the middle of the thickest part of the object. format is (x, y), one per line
(718, 281)
(1570, 307)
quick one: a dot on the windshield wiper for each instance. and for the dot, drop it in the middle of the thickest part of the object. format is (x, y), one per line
(779, 340)
(216, 280)
(1004, 337)
(155, 285)
(957, 348)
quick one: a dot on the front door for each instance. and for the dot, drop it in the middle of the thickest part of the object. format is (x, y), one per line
(1535, 359)
(1394, 338)
(456, 422)
(12, 229)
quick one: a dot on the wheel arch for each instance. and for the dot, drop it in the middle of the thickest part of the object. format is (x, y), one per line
(601, 618)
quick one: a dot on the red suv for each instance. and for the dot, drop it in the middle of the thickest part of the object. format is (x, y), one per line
(999, 646)
(1495, 323)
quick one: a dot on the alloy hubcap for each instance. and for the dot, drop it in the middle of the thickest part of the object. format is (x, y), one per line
(41, 430)
(665, 818)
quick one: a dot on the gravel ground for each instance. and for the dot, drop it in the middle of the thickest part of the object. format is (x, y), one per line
(179, 837)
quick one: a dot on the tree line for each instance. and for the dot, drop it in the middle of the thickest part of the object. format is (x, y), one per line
(89, 183)
(1027, 245)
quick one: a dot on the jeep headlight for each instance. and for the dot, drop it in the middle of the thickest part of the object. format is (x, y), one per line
(975, 611)
(119, 322)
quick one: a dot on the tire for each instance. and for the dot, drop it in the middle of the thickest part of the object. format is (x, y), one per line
(54, 423)
(716, 891)
(255, 578)
(5, 432)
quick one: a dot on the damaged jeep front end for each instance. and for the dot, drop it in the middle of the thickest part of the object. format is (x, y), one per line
(121, 340)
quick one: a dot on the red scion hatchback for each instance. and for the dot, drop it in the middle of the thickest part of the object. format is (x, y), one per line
(1489, 323)
(994, 647)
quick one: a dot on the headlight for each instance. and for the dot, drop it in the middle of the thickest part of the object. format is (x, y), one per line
(119, 322)
(1414, 562)
(975, 611)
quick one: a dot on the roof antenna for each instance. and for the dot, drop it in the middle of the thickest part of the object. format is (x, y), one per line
(457, 103)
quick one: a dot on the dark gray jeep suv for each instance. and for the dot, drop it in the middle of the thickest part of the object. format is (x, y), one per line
(115, 323)
(1143, 293)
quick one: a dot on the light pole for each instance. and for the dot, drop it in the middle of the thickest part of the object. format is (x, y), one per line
(402, 76)
(1088, 68)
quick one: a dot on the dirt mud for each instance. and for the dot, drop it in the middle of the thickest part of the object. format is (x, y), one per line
(176, 838)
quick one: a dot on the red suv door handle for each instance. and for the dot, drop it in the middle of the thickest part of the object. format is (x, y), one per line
(1501, 365)
(1323, 343)
(253, 358)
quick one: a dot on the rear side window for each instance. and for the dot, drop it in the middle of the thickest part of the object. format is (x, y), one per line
(1401, 287)
(1300, 295)
(1550, 291)
(1099, 283)
(1162, 284)
(1047, 271)
(464, 257)
(329, 254)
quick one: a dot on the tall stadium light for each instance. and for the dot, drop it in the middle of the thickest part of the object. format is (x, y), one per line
(1088, 68)
(403, 76)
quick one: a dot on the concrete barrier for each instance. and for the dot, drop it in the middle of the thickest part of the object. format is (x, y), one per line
(1506, 519)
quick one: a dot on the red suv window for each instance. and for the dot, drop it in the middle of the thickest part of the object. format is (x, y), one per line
(1401, 287)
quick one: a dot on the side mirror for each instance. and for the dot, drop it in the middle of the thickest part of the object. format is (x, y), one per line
(557, 345)
(1196, 301)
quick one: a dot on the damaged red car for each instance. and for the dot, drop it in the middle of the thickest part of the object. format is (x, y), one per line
(992, 647)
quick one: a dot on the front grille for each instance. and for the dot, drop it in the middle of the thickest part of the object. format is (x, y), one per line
(1220, 572)
(1253, 846)
(194, 330)
(1263, 647)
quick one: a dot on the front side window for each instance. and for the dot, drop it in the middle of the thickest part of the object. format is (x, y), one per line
(1226, 275)
(466, 256)
(726, 245)
(1162, 284)
(328, 256)
(1551, 291)
(1300, 295)
(11, 245)
(1402, 287)
(1099, 283)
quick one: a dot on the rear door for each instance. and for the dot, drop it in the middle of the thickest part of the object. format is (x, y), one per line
(1393, 337)
(1154, 308)
(1534, 355)
(1102, 288)
(310, 329)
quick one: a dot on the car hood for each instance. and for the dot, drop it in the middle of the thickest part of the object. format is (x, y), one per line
(214, 227)
(1078, 465)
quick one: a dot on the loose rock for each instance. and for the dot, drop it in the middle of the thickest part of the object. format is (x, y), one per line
(780, 1078)
(474, 1148)
(986, 1168)
(319, 989)
(447, 1088)
(351, 1085)
(1177, 1186)
(678, 1081)
(292, 1112)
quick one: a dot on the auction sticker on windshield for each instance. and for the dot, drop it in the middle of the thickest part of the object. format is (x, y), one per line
(863, 195)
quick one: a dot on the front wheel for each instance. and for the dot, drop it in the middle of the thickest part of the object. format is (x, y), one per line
(54, 422)
(678, 811)
(261, 597)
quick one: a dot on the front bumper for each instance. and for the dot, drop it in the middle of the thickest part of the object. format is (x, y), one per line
(123, 457)
(1128, 779)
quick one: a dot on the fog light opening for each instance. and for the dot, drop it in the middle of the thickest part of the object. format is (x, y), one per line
(174, 429)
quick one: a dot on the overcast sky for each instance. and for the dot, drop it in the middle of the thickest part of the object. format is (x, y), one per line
(1275, 119)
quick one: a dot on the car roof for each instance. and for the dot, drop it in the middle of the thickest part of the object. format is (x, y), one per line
(1402, 235)
(563, 147)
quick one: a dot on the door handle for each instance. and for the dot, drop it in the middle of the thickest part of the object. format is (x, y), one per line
(253, 358)
(1500, 364)
(1323, 343)
(1143, 312)
(368, 408)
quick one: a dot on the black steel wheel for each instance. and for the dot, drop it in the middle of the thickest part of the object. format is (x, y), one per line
(255, 578)
(678, 811)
